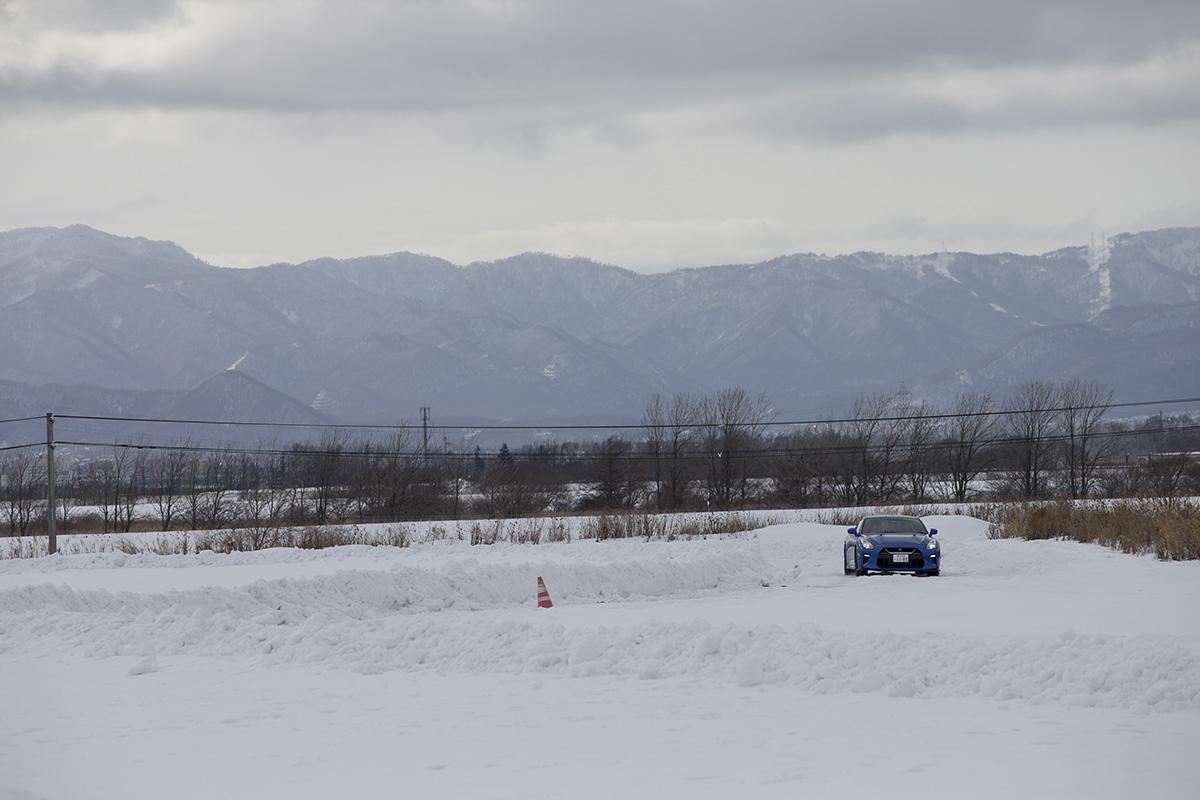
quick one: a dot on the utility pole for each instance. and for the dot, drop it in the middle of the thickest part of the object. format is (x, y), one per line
(425, 436)
(51, 511)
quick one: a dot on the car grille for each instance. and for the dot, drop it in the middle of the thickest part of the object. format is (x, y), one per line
(916, 560)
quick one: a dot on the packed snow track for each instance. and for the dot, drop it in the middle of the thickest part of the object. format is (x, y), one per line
(747, 663)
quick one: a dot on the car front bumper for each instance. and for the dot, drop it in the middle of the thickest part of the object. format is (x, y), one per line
(883, 561)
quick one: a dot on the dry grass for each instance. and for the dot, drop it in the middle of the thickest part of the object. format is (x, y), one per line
(528, 531)
(1167, 527)
(669, 527)
(311, 537)
(852, 516)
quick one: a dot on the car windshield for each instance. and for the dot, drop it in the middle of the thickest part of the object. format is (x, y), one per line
(909, 525)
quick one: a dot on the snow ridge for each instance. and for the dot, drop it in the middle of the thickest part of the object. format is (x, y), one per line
(347, 629)
(1098, 257)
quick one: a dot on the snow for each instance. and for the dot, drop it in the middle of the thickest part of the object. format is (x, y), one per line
(744, 665)
(91, 276)
(28, 287)
(322, 401)
(1098, 258)
(416, 531)
(146, 666)
(942, 267)
(232, 367)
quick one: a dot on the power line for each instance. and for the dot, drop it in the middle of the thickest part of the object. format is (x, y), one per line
(19, 419)
(632, 426)
(580, 456)
(22, 446)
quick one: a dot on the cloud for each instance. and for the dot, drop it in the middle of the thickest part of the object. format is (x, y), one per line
(41, 17)
(853, 68)
(648, 133)
(1161, 89)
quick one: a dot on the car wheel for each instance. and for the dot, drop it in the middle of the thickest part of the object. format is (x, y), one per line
(848, 565)
(931, 573)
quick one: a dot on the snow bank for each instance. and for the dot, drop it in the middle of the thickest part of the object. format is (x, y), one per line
(454, 582)
(1076, 670)
(374, 622)
(688, 610)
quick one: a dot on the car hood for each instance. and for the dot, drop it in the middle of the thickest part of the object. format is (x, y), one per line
(897, 540)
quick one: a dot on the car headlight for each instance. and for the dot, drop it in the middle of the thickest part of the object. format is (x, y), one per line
(866, 543)
(932, 544)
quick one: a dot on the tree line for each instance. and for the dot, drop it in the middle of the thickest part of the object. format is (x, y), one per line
(691, 452)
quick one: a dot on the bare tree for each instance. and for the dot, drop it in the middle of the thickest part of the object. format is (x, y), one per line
(21, 487)
(207, 484)
(966, 452)
(392, 474)
(679, 440)
(891, 452)
(1030, 426)
(68, 493)
(670, 433)
(919, 432)
(131, 479)
(1083, 405)
(802, 468)
(218, 498)
(516, 488)
(733, 423)
(862, 462)
(167, 472)
(322, 471)
(654, 420)
(106, 480)
(457, 470)
(267, 500)
(612, 474)
(193, 483)
(1167, 474)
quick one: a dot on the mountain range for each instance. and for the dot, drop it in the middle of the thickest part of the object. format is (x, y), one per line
(91, 322)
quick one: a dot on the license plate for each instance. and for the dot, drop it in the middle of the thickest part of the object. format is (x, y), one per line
(899, 558)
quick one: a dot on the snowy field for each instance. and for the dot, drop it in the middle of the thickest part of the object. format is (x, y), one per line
(427, 531)
(738, 666)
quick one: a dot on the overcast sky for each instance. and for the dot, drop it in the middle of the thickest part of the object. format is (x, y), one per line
(648, 134)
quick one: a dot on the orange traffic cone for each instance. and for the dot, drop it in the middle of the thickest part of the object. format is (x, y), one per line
(543, 595)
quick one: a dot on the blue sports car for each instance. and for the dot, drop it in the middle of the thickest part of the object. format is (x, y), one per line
(892, 544)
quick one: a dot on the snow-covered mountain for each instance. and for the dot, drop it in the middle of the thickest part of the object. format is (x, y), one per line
(537, 336)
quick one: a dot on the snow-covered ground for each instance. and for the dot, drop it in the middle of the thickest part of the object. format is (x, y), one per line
(417, 532)
(745, 665)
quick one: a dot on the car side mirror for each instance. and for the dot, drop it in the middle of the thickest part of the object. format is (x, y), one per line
(852, 531)
(933, 531)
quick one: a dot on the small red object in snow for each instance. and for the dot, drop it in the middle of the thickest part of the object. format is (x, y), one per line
(228, 545)
(543, 595)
